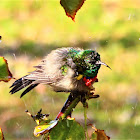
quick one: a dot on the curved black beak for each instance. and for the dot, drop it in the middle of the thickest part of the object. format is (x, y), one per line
(102, 63)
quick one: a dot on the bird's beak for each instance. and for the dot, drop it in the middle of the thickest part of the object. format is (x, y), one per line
(102, 63)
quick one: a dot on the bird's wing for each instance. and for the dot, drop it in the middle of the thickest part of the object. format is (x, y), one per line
(49, 71)
(34, 78)
(45, 73)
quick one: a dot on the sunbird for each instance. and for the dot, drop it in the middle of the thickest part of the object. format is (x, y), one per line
(65, 70)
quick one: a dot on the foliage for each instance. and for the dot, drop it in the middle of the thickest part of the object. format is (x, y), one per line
(70, 129)
(99, 135)
(1, 135)
(63, 129)
(5, 74)
(71, 7)
(31, 29)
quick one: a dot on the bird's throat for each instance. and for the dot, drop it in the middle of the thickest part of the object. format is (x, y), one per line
(89, 81)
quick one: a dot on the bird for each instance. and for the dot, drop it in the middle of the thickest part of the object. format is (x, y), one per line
(65, 70)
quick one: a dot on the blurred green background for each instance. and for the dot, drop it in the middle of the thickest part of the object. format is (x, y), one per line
(31, 29)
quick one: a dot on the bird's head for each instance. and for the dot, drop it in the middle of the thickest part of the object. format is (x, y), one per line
(88, 63)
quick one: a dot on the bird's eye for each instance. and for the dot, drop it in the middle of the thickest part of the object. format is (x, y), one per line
(98, 57)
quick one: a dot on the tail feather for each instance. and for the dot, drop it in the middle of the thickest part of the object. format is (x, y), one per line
(28, 89)
(20, 86)
(16, 82)
(22, 83)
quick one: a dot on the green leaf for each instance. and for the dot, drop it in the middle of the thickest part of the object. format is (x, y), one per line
(44, 128)
(5, 74)
(1, 135)
(71, 7)
(44, 125)
(67, 130)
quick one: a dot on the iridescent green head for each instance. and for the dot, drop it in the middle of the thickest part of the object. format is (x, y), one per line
(87, 63)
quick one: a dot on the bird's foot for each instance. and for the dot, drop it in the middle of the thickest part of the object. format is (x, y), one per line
(92, 95)
(92, 89)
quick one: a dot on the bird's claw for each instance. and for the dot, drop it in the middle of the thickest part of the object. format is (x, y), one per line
(94, 96)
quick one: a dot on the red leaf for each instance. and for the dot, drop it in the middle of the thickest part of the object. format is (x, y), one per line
(71, 7)
(1, 134)
(99, 134)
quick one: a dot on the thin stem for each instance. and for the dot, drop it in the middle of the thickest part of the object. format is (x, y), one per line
(69, 105)
(85, 117)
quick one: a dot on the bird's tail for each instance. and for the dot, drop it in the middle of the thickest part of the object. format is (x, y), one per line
(22, 83)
